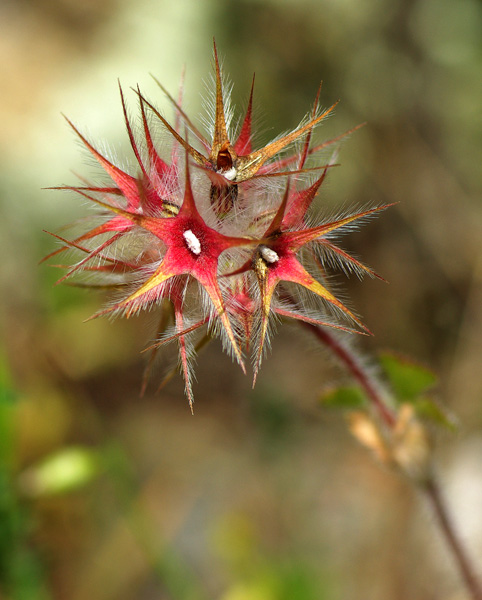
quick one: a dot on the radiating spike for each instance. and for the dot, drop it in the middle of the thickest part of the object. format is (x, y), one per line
(249, 165)
(160, 166)
(243, 144)
(267, 285)
(163, 321)
(185, 118)
(306, 145)
(211, 286)
(300, 317)
(221, 139)
(300, 202)
(298, 274)
(350, 259)
(300, 238)
(126, 182)
(93, 254)
(280, 213)
(195, 155)
(131, 134)
(288, 160)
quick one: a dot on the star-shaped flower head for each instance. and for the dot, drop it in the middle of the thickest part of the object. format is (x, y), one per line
(213, 248)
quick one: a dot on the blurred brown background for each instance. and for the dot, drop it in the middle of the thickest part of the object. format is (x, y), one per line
(262, 494)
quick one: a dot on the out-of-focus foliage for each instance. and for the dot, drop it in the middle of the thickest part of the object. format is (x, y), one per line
(344, 397)
(261, 494)
(407, 378)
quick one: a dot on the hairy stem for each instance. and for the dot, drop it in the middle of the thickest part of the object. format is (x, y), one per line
(429, 486)
(357, 370)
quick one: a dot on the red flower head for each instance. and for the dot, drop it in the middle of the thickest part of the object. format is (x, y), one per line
(222, 246)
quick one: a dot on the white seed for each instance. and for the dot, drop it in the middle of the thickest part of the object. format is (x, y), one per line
(268, 254)
(192, 242)
(230, 174)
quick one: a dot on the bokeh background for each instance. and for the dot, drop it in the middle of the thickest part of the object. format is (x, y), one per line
(262, 495)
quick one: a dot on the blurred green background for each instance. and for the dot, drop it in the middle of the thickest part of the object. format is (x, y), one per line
(262, 494)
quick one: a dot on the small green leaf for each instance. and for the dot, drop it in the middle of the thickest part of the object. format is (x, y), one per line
(430, 411)
(349, 397)
(407, 378)
(67, 470)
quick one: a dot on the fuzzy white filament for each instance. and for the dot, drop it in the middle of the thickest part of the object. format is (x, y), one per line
(192, 242)
(268, 254)
(230, 174)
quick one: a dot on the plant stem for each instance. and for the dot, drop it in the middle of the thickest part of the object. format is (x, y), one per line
(429, 486)
(357, 370)
(432, 492)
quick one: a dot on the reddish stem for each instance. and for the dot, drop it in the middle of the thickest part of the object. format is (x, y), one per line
(353, 365)
(429, 486)
(433, 493)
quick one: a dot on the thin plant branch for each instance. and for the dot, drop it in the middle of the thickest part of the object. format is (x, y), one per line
(428, 485)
